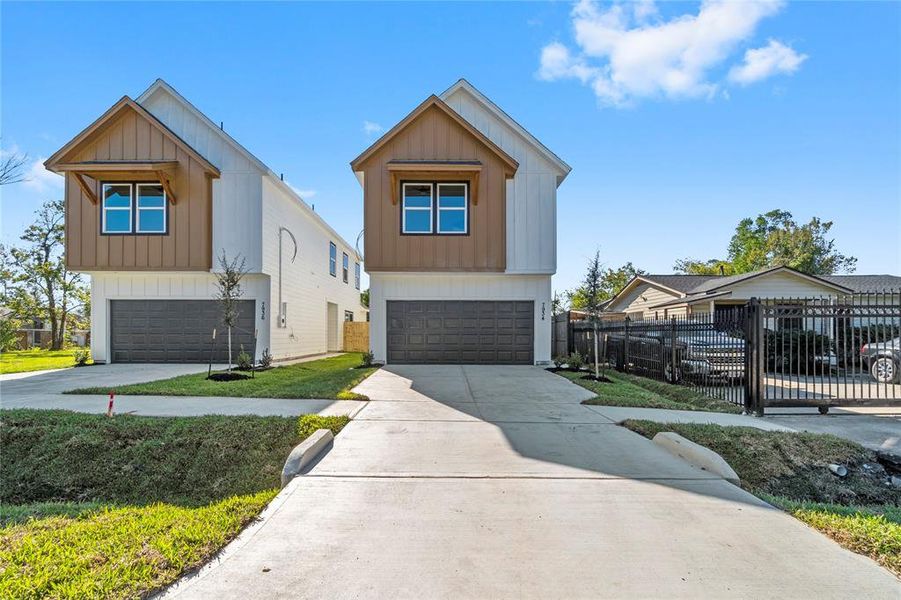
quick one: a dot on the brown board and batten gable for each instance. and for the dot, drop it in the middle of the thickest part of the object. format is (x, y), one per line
(128, 144)
(435, 144)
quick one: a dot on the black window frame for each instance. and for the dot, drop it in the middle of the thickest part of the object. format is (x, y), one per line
(348, 313)
(435, 206)
(357, 275)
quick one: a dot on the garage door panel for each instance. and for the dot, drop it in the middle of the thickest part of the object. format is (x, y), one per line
(461, 332)
(175, 331)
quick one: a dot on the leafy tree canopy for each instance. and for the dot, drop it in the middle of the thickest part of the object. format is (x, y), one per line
(610, 283)
(774, 239)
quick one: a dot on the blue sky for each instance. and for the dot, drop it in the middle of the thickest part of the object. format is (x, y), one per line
(667, 153)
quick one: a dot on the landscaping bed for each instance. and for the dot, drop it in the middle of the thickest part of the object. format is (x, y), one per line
(22, 361)
(327, 378)
(94, 506)
(631, 390)
(861, 511)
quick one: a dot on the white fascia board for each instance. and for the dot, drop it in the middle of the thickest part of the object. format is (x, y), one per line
(497, 111)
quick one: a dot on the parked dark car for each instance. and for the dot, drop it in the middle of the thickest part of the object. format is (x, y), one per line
(883, 360)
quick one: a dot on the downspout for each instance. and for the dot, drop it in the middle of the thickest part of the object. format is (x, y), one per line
(281, 316)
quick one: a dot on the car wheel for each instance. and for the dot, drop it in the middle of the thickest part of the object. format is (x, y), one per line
(884, 370)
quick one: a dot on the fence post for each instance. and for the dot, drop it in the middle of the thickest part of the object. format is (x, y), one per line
(754, 359)
(673, 365)
(626, 346)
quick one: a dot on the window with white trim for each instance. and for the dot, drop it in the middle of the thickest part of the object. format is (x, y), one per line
(332, 259)
(116, 216)
(133, 208)
(452, 208)
(417, 208)
(345, 266)
(151, 208)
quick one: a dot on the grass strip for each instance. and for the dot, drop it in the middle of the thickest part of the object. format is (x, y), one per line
(641, 392)
(120, 552)
(327, 378)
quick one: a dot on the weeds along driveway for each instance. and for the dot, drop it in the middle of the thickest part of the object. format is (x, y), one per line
(474, 482)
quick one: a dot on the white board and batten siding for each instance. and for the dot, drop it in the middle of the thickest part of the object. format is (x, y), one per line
(107, 286)
(459, 286)
(531, 211)
(237, 193)
(307, 286)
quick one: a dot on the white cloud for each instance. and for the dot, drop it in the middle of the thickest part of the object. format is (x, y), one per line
(760, 63)
(626, 52)
(305, 194)
(370, 128)
(41, 180)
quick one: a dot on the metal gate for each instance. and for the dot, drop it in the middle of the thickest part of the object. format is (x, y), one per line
(774, 352)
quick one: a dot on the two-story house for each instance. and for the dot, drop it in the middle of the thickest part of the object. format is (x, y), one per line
(155, 192)
(460, 235)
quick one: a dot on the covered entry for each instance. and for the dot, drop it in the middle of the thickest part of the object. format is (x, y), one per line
(461, 332)
(160, 331)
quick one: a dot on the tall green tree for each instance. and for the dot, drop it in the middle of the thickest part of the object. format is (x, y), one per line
(37, 284)
(775, 239)
(612, 282)
(594, 295)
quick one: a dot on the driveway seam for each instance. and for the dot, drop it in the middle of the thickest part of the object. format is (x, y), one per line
(508, 477)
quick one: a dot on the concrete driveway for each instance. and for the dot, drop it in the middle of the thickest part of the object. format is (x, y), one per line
(494, 482)
(44, 390)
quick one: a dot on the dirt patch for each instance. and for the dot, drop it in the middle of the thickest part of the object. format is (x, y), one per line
(791, 465)
(228, 376)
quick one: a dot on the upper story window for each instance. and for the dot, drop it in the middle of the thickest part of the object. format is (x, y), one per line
(332, 259)
(440, 208)
(357, 275)
(345, 266)
(133, 208)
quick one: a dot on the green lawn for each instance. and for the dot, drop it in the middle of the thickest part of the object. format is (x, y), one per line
(328, 378)
(789, 470)
(631, 390)
(117, 507)
(21, 361)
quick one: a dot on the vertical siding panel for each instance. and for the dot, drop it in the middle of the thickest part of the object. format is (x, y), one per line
(182, 218)
(198, 214)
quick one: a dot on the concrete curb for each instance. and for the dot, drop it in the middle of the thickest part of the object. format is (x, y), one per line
(696, 455)
(305, 453)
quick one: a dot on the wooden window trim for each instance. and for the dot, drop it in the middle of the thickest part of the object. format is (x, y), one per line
(434, 209)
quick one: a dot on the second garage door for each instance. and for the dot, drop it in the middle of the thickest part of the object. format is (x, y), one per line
(160, 331)
(461, 332)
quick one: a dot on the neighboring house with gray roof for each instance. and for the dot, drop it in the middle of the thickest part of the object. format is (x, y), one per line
(663, 296)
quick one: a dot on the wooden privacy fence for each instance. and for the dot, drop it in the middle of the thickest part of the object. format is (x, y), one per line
(356, 336)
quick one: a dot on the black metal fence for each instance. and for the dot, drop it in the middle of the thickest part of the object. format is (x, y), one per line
(831, 351)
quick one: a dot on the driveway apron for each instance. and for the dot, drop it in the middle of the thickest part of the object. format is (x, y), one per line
(495, 482)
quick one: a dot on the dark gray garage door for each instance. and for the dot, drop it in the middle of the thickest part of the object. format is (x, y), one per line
(460, 332)
(175, 331)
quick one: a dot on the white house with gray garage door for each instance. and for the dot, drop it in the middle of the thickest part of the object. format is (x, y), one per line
(460, 209)
(155, 192)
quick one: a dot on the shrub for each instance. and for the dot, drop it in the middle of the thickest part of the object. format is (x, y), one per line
(9, 336)
(575, 361)
(559, 361)
(245, 361)
(367, 358)
(308, 424)
(266, 359)
(81, 356)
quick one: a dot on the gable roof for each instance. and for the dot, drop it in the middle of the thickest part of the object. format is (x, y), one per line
(160, 84)
(108, 117)
(692, 287)
(438, 103)
(497, 111)
(866, 283)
